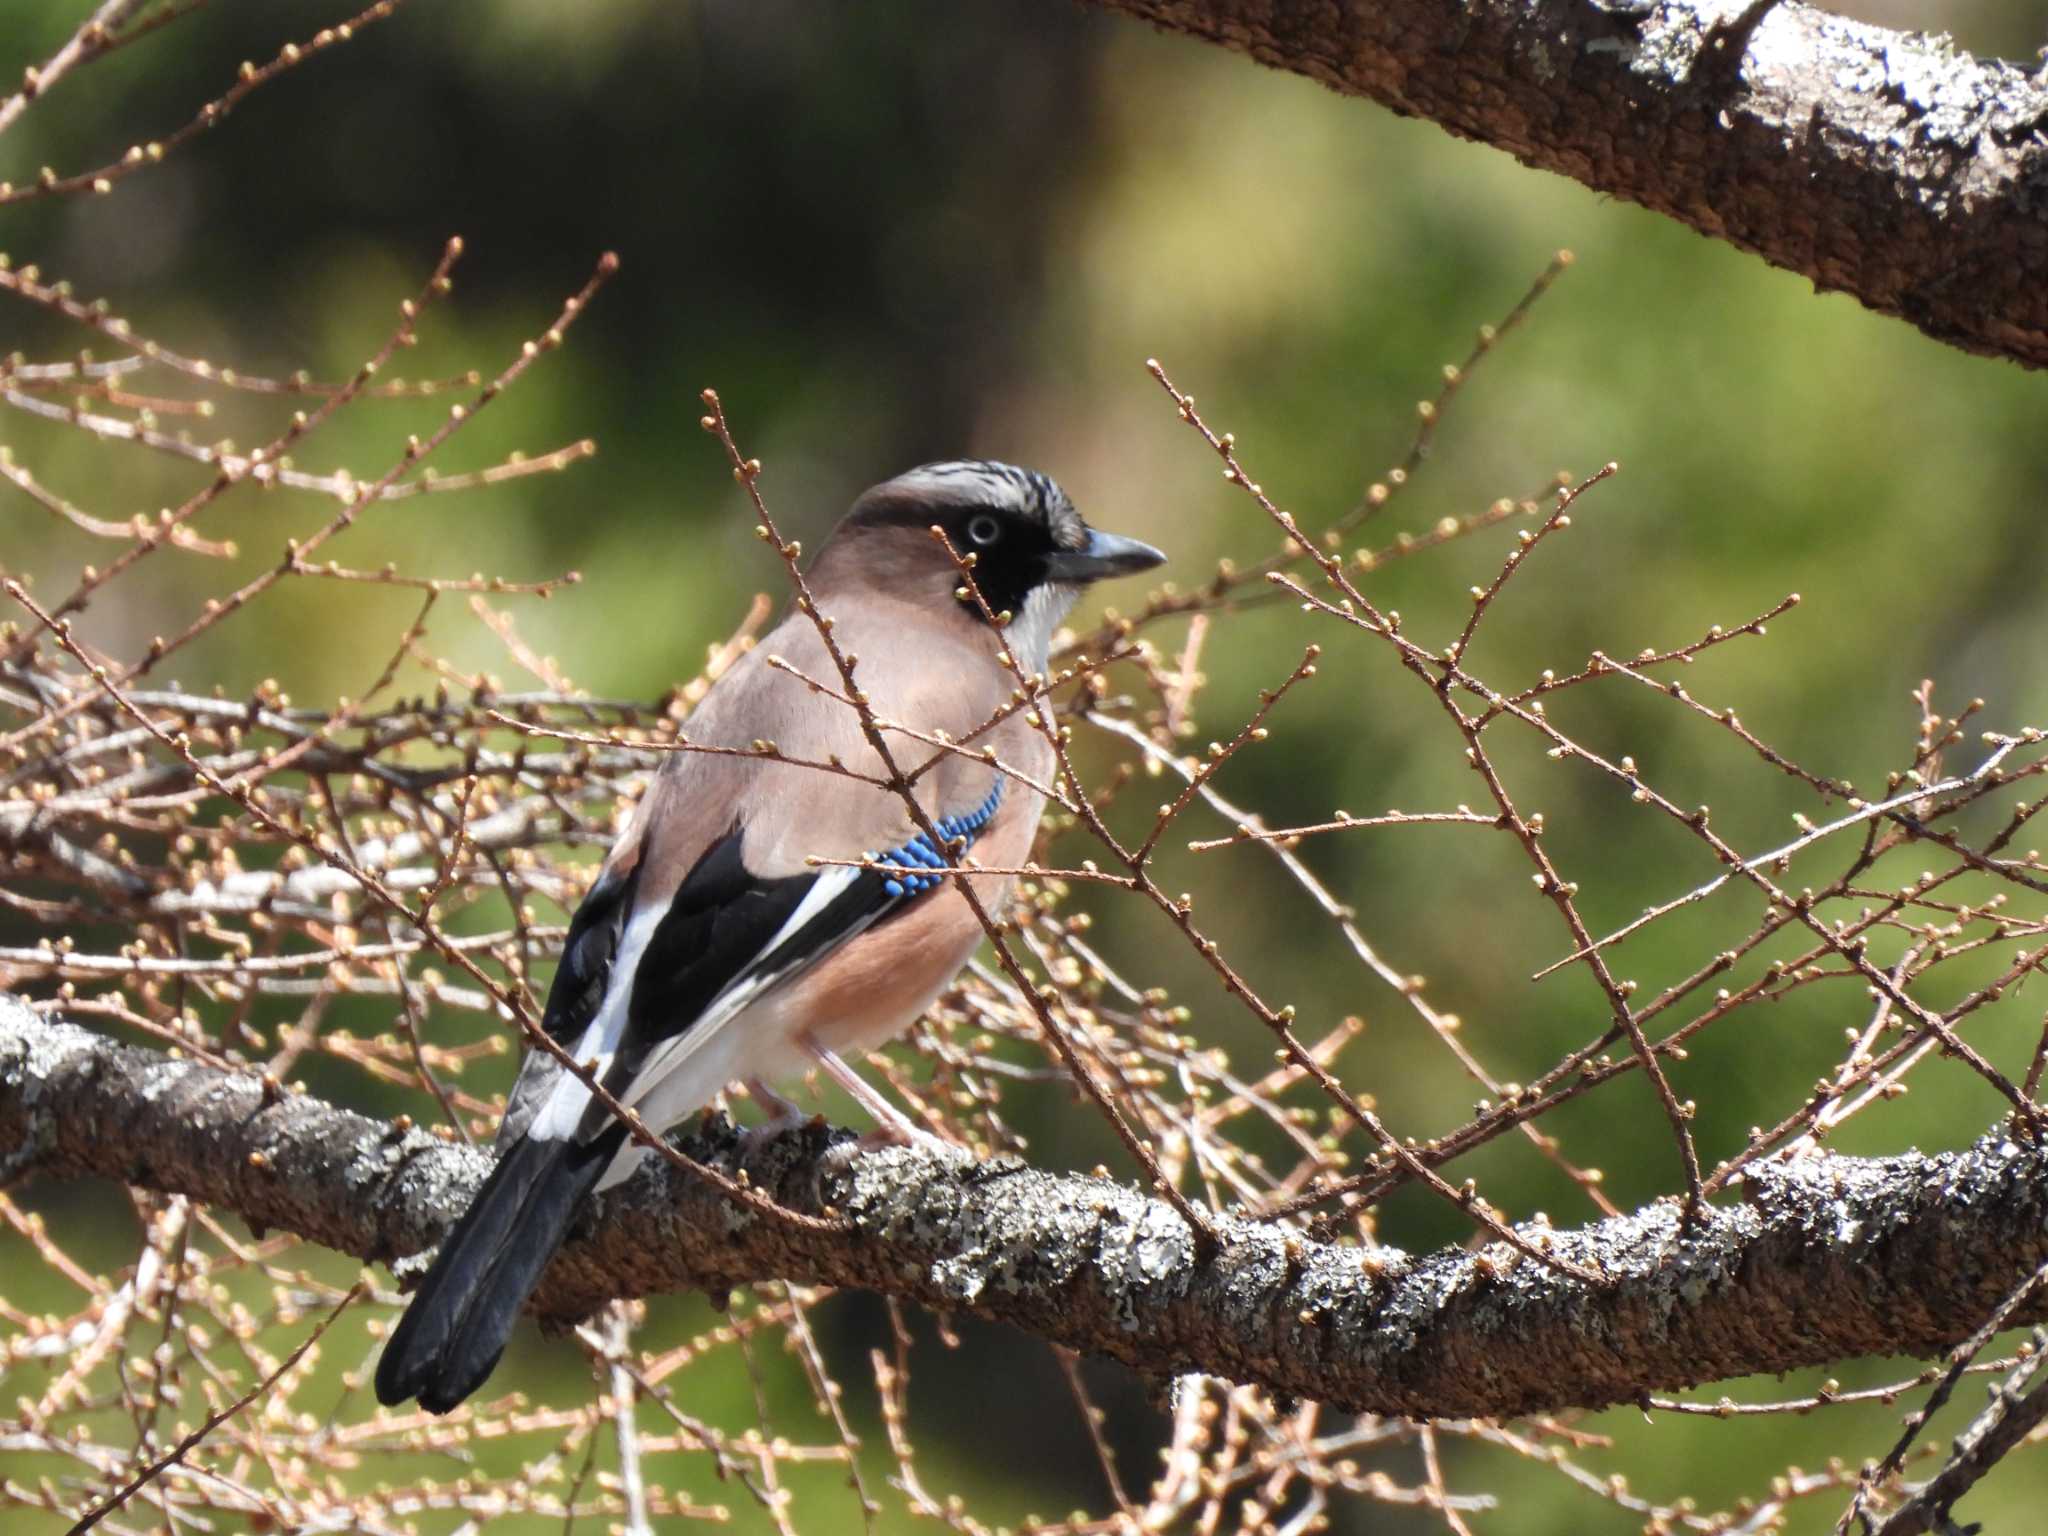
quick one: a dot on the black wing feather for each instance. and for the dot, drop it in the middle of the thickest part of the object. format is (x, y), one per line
(714, 935)
(577, 991)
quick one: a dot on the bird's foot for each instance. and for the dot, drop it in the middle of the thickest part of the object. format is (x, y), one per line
(892, 1127)
(902, 1133)
(783, 1114)
(839, 1157)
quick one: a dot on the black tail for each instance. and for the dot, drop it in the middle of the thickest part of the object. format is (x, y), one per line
(452, 1334)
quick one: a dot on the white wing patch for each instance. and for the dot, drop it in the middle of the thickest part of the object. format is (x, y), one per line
(673, 1054)
(823, 889)
(562, 1111)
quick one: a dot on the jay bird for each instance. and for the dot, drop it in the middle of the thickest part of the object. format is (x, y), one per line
(710, 950)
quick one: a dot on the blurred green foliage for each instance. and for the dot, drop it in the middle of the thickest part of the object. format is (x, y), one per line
(920, 230)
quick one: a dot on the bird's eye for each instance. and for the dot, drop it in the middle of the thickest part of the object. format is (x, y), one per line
(984, 530)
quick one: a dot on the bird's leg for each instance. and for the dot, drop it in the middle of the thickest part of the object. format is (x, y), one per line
(782, 1113)
(892, 1127)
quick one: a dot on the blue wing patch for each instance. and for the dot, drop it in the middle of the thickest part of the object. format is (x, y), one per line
(918, 854)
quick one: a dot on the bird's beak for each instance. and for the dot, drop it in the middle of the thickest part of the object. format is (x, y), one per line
(1105, 554)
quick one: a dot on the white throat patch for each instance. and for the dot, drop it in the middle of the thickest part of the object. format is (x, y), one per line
(1030, 633)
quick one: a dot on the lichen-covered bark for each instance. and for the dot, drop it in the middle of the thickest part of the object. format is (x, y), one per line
(1830, 1257)
(1892, 166)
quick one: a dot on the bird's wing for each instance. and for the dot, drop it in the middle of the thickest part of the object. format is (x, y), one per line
(665, 951)
(578, 989)
(687, 966)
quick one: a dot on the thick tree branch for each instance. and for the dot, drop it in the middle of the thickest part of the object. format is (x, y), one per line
(1892, 166)
(1832, 1257)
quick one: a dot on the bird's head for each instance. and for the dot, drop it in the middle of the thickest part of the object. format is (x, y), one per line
(1032, 552)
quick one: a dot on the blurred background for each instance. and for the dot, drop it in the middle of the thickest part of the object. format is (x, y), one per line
(896, 232)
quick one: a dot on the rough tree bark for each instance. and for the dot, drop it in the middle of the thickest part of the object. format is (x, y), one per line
(1892, 166)
(1829, 1258)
